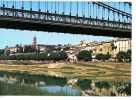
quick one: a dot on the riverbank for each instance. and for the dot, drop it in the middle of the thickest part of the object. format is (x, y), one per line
(82, 70)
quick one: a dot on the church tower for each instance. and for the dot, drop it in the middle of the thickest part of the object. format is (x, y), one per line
(34, 44)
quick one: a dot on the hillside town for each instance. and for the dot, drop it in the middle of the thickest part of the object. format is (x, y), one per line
(112, 47)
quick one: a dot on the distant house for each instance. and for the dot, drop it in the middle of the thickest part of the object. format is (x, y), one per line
(12, 50)
(43, 48)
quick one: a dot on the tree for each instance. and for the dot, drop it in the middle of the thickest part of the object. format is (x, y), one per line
(100, 56)
(84, 55)
(59, 55)
(103, 84)
(129, 55)
(107, 56)
(113, 46)
(29, 49)
(122, 56)
(103, 57)
(1, 51)
(63, 55)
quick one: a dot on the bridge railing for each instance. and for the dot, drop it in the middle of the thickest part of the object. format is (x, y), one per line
(60, 18)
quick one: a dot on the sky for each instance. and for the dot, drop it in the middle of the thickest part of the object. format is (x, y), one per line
(10, 37)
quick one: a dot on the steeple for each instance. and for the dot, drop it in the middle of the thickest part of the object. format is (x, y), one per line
(34, 41)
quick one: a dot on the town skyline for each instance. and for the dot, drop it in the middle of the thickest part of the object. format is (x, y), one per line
(12, 37)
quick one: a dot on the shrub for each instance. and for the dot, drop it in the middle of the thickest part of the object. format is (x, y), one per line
(36, 56)
(103, 57)
(122, 56)
(84, 55)
(1, 51)
(129, 55)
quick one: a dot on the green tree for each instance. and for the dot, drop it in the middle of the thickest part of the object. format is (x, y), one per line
(1, 51)
(29, 49)
(103, 57)
(84, 55)
(129, 55)
(100, 56)
(122, 56)
(63, 55)
(59, 55)
(107, 56)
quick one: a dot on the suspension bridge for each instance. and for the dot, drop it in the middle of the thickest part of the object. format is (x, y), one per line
(75, 17)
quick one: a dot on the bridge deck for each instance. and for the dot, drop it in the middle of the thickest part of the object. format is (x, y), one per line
(52, 22)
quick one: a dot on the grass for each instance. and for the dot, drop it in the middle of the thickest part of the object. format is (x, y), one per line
(81, 69)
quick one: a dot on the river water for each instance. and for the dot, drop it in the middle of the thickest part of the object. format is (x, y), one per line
(67, 86)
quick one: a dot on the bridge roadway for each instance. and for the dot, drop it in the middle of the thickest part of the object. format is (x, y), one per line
(52, 22)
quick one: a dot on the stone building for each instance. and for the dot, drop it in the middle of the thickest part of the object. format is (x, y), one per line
(102, 47)
(121, 45)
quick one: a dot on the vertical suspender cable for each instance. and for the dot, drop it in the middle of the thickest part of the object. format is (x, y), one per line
(7, 4)
(50, 6)
(0, 3)
(118, 13)
(70, 7)
(124, 11)
(55, 6)
(39, 6)
(93, 11)
(30, 9)
(96, 10)
(88, 9)
(22, 4)
(83, 8)
(13, 4)
(102, 12)
(58, 6)
(45, 6)
(31, 5)
(77, 9)
(108, 12)
(113, 13)
(63, 8)
(3, 4)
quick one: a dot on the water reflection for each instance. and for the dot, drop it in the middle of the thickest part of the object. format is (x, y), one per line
(67, 86)
(58, 89)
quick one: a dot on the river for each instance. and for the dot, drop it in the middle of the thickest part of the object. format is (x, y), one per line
(61, 85)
